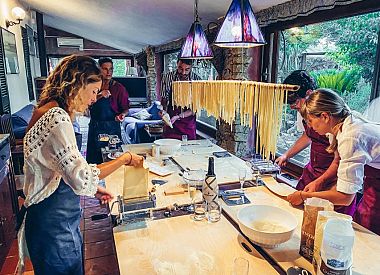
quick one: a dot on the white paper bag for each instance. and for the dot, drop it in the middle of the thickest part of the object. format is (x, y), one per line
(135, 182)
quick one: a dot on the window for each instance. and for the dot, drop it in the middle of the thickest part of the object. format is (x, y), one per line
(119, 65)
(339, 54)
(204, 69)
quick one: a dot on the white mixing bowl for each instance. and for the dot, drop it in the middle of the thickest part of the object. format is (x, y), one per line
(266, 225)
(168, 146)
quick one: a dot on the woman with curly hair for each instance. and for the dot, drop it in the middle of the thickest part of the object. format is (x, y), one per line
(56, 174)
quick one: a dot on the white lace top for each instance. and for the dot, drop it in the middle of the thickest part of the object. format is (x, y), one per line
(51, 153)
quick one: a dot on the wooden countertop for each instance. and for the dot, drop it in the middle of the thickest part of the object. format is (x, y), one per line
(366, 247)
(176, 241)
(180, 245)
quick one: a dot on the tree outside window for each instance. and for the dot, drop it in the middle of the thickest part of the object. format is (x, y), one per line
(339, 54)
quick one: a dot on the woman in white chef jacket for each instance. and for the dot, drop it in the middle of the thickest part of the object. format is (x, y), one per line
(358, 143)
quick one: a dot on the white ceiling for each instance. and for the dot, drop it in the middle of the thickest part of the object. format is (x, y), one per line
(131, 25)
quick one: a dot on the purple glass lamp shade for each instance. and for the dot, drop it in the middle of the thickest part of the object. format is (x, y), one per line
(196, 45)
(239, 28)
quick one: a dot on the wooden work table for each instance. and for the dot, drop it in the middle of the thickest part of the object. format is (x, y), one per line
(179, 245)
(366, 247)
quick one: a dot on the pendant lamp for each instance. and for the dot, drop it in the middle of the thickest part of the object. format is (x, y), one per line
(239, 28)
(196, 45)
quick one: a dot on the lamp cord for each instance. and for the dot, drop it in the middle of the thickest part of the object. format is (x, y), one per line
(196, 17)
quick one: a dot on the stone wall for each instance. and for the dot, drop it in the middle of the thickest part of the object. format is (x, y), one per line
(234, 137)
(151, 74)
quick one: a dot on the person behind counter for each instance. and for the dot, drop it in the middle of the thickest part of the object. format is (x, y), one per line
(320, 173)
(358, 144)
(183, 121)
(56, 174)
(107, 112)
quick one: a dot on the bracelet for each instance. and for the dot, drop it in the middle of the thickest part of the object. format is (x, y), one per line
(130, 160)
(301, 196)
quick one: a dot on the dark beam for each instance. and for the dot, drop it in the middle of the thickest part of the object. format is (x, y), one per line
(41, 44)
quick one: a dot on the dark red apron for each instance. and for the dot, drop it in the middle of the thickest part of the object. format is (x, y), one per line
(368, 211)
(320, 161)
(183, 126)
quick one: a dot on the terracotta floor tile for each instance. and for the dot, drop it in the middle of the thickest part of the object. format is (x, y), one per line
(9, 266)
(13, 251)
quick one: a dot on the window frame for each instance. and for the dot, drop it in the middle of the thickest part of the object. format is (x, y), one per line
(271, 50)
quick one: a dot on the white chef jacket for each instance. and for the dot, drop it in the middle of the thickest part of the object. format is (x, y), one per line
(358, 145)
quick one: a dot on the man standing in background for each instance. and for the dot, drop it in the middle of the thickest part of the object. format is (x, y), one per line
(107, 112)
(183, 120)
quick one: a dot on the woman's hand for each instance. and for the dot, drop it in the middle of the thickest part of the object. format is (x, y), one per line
(313, 186)
(295, 198)
(132, 159)
(103, 195)
(105, 93)
(282, 160)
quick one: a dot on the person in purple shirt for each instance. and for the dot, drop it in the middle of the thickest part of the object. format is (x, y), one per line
(107, 112)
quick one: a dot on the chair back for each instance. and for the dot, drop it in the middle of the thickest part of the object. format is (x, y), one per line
(6, 128)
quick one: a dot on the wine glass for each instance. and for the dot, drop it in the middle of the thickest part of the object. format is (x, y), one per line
(192, 190)
(242, 176)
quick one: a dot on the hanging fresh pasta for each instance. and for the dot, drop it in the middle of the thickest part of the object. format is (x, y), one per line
(224, 99)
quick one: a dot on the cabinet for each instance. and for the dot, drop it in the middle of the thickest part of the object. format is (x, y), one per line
(8, 200)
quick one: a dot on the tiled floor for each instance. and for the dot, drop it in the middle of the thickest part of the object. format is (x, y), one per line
(10, 264)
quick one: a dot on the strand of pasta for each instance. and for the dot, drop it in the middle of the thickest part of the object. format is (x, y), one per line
(262, 102)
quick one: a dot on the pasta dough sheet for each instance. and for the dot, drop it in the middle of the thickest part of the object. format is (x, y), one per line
(135, 182)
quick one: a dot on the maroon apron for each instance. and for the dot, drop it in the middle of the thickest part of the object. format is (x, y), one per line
(368, 210)
(320, 161)
(183, 126)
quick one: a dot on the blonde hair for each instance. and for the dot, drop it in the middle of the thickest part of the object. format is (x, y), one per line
(326, 101)
(63, 84)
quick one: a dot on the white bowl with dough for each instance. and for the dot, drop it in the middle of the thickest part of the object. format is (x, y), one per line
(266, 225)
(168, 146)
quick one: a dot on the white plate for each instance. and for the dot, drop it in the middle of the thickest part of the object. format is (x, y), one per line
(114, 155)
(278, 188)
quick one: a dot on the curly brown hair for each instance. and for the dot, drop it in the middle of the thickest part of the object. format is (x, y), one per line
(63, 84)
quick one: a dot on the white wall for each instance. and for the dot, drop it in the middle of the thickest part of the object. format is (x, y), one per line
(17, 85)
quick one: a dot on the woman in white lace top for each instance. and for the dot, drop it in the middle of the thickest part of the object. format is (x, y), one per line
(56, 173)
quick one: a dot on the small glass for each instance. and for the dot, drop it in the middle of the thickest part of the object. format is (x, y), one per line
(241, 266)
(214, 210)
(199, 211)
(156, 152)
(192, 190)
(113, 141)
(242, 176)
(255, 175)
(184, 140)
